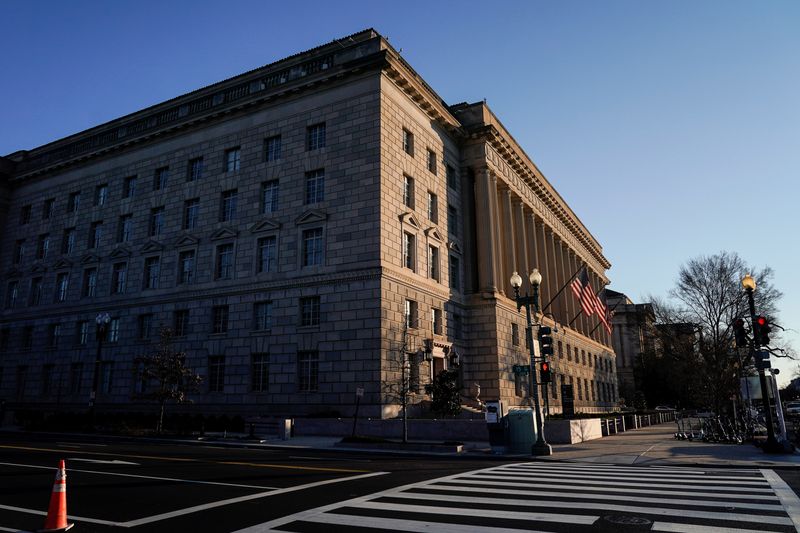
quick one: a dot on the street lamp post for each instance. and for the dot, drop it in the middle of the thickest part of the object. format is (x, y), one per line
(540, 447)
(772, 445)
(102, 320)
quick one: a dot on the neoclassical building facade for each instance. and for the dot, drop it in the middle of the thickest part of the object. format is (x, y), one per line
(317, 226)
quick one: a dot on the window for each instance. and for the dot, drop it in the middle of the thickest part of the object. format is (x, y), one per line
(233, 159)
(74, 202)
(452, 180)
(262, 316)
(160, 178)
(53, 335)
(315, 186)
(125, 228)
(129, 187)
(433, 263)
(455, 273)
(191, 209)
(106, 373)
(227, 210)
(195, 169)
(62, 286)
(269, 197)
(272, 148)
(156, 225)
(95, 234)
(25, 214)
(313, 247)
(583, 357)
(11, 294)
(452, 220)
(19, 251)
(145, 326)
(514, 334)
(224, 268)
(119, 278)
(267, 254)
(43, 246)
(152, 271)
(433, 207)
(409, 255)
(432, 161)
(259, 376)
(101, 194)
(569, 352)
(309, 311)
(408, 142)
(180, 322)
(36, 291)
(47, 208)
(47, 379)
(27, 337)
(82, 331)
(408, 191)
(315, 136)
(112, 333)
(436, 321)
(89, 282)
(216, 373)
(75, 377)
(307, 371)
(68, 241)
(186, 266)
(458, 329)
(219, 319)
(411, 314)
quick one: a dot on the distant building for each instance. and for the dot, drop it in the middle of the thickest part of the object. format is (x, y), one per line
(634, 334)
(308, 228)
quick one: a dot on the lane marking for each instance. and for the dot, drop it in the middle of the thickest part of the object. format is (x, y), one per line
(187, 460)
(506, 473)
(613, 497)
(483, 513)
(617, 468)
(519, 482)
(785, 494)
(72, 517)
(660, 511)
(102, 461)
(639, 471)
(644, 452)
(120, 474)
(673, 527)
(398, 524)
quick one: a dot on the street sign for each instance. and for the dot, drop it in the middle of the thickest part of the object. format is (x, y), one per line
(359, 392)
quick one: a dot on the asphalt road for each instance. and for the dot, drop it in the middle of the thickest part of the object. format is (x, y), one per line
(143, 486)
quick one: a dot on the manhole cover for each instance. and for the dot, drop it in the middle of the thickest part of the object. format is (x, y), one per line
(627, 520)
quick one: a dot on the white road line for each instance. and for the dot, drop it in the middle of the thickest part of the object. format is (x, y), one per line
(657, 479)
(674, 527)
(102, 461)
(786, 495)
(613, 497)
(120, 474)
(13, 530)
(498, 479)
(706, 515)
(397, 524)
(211, 505)
(71, 517)
(483, 513)
(644, 472)
(494, 485)
(598, 466)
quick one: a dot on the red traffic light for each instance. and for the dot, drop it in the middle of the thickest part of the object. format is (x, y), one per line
(545, 367)
(761, 321)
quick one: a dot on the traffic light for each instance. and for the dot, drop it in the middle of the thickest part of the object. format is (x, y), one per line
(763, 330)
(544, 372)
(545, 341)
(739, 333)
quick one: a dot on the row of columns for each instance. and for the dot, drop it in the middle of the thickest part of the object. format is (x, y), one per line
(511, 237)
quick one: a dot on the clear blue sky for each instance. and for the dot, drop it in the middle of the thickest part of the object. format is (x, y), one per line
(671, 128)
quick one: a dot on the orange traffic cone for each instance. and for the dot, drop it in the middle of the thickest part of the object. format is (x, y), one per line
(57, 513)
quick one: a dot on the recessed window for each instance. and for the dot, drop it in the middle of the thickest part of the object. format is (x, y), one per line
(195, 169)
(409, 251)
(408, 191)
(145, 326)
(36, 291)
(19, 251)
(259, 376)
(411, 314)
(436, 321)
(47, 378)
(432, 161)
(95, 234)
(269, 196)
(216, 373)
(47, 208)
(233, 159)
(433, 263)
(129, 187)
(101, 194)
(307, 371)
(433, 207)
(152, 272)
(408, 142)
(112, 333)
(452, 179)
(455, 273)
(514, 334)
(12, 293)
(62, 286)
(119, 278)
(309, 311)
(125, 228)
(224, 266)
(228, 202)
(53, 335)
(74, 202)
(180, 322)
(219, 319)
(452, 220)
(82, 331)
(75, 378)
(156, 225)
(458, 328)
(262, 316)
(186, 266)
(43, 246)
(191, 210)
(272, 148)
(68, 241)
(160, 178)
(89, 282)
(267, 254)
(27, 337)
(25, 214)
(315, 186)
(315, 136)
(313, 247)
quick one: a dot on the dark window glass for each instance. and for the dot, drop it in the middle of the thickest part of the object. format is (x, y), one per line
(267, 254)
(216, 373)
(259, 377)
(25, 214)
(313, 247)
(224, 268)
(315, 186)
(269, 197)
(195, 171)
(233, 159)
(220, 319)
(308, 371)
(160, 178)
(186, 266)
(191, 210)
(156, 225)
(152, 271)
(90, 282)
(180, 323)
(272, 148)
(315, 136)
(262, 315)
(309, 311)
(228, 205)
(119, 278)
(129, 187)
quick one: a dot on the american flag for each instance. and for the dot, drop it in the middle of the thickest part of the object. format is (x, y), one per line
(592, 305)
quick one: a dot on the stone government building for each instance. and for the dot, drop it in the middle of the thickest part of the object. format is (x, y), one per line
(300, 227)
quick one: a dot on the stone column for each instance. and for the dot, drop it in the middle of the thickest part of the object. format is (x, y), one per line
(485, 234)
(558, 280)
(541, 259)
(550, 277)
(520, 243)
(567, 271)
(494, 222)
(531, 239)
(508, 242)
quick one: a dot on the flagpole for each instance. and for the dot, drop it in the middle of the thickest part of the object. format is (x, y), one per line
(553, 299)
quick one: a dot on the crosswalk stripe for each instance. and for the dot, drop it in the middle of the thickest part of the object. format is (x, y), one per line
(608, 466)
(787, 496)
(644, 472)
(485, 513)
(675, 527)
(398, 524)
(562, 475)
(500, 479)
(688, 513)
(613, 497)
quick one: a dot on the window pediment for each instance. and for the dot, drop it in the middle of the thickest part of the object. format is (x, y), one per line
(38, 267)
(410, 219)
(187, 240)
(267, 224)
(90, 258)
(62, 264)
(122, 252)
(152, 246)
(223, 233)
(454, 247)
(312, 216)
(433, 233)
(13, 273)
